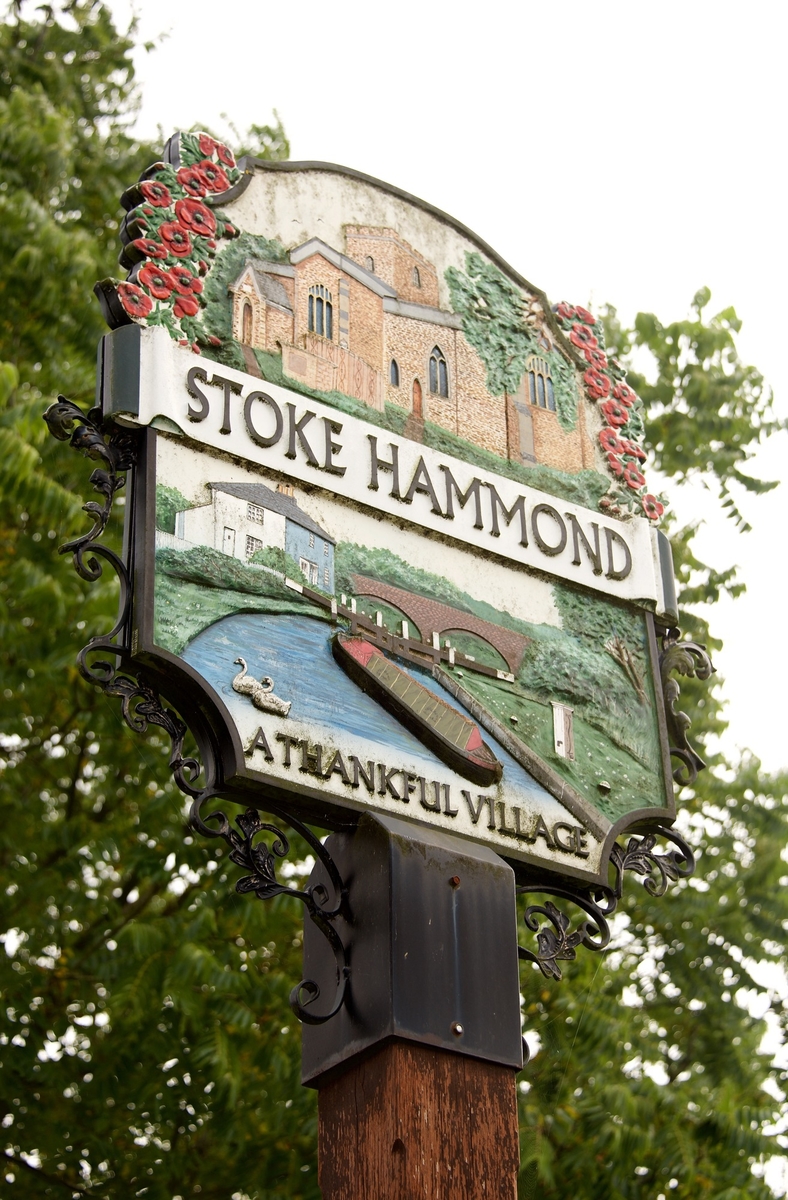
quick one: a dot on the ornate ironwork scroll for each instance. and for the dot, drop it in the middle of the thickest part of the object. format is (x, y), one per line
(142, 706)
(557, 940)
(691, 659)
(260, 861)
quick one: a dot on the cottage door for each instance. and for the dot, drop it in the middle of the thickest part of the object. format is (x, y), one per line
(417, 409)
(229, 540)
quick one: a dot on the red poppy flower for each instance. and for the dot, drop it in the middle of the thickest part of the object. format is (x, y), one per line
(595, 357)
(582, 336)
(652, 507)
(598, 387)
(633, 449)
(615, 464)
(225, 156)
(149, 248)
(610, 441)
(192, 181)
(157, 194)
(613, 412)
(176, 237)
(134, 300)
(184, 282)
(214, 175)
(624, 393)
(193, 215)
(585, 316)
(565, 311)
(157, 281)
(634, 477)
(207, 144)
(186, 306)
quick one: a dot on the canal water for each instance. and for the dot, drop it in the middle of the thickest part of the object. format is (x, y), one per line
(296, 653)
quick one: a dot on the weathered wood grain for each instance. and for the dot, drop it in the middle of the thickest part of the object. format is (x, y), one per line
(415, 1123)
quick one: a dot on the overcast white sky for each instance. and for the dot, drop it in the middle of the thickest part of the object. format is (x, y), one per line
(611, 152)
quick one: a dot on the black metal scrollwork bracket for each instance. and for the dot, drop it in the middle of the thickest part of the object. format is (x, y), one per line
(556, 941)
(142, 706)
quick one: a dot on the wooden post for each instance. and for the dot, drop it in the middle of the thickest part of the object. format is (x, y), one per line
(416, 1071)
(414, 1123)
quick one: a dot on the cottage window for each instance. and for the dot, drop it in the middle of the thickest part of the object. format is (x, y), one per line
(369, 263)
(255, 513)
(325, 549)
(311, 540)
(394, 373)
(439, 375)
(253, 544)
(540, 382)
(320, 315)
(246, 324)
(308, 569)
(416, 277)
(326, 577)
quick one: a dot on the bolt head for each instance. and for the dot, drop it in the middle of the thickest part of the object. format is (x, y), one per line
(457, 1029)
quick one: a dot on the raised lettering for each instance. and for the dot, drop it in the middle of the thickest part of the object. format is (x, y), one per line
(473, 489)
(544, 546)
(258, 438)
(518, 509)
(612, 573)
(380, 464)
(332, 447)
(337, 765)
(260, 742)
(447, 808)
(386, 786)
(503, 827)
(288, 742)
(541, 830)
(228, 387)
(422, 483)
(431, 806)
(296, 430)
(570, 830)
(594, 553)
(311, 758)
(581, 841)
(360, 773)
(476, 811)
(195, 374)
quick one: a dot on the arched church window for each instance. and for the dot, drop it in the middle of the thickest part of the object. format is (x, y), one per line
(540, 382)
(246, 324)
(394, 373)
(416, 277)
(369, 263)
(439, 373)
(320, 313)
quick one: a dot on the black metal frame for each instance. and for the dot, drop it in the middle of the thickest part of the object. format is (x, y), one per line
(117, 675)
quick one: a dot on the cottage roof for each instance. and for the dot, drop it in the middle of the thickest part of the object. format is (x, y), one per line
(278, 502)
(269, 287)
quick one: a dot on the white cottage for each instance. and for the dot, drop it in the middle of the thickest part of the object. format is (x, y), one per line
(242, 518)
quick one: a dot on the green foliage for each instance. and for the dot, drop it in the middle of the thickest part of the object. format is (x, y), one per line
(276, 558)
(169, 502)
(494, 322)
(144, 1023)
(706, 410)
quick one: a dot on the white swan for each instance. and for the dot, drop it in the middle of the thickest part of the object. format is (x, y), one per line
(261, 691)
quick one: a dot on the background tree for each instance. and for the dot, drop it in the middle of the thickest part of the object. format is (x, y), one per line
(146, 1044)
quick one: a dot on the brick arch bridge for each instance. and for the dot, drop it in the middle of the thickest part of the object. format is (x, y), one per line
(432, 617)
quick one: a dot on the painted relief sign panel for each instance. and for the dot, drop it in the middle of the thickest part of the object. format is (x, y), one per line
(392, 539)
